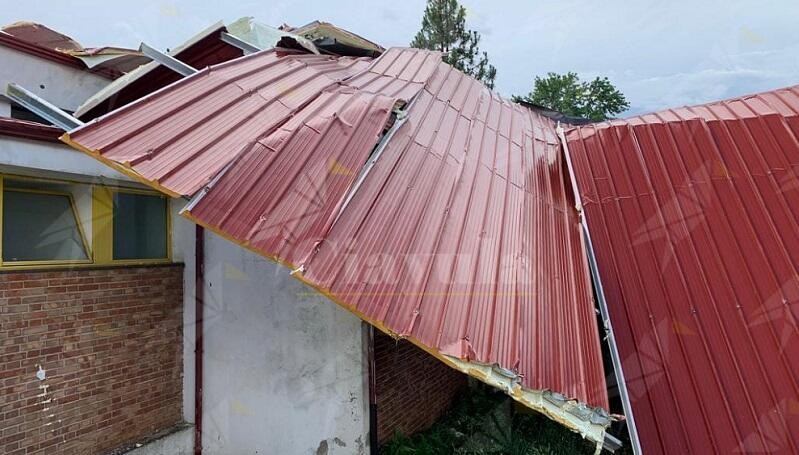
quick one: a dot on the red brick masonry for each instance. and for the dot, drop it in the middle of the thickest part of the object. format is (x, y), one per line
(413, 388)
(109, 345)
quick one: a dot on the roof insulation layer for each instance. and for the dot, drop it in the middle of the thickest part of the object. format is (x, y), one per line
(694, 219)
(448, 222)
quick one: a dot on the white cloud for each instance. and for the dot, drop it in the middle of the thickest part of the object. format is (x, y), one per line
(660, 54)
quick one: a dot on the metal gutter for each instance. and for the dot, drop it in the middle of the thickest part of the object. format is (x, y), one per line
(199, 309)
(374, 444)
(603, 307)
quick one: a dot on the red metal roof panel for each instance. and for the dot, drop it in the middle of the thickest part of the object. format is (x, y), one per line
(178, 139)
(461, 237)
(693, 217)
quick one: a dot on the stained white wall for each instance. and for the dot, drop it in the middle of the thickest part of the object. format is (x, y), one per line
(37, 157)
(65, 86)
(284, 367)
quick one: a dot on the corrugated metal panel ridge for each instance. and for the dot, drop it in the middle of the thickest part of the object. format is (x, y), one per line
(179, 137)
(462, 237)
(693, 215)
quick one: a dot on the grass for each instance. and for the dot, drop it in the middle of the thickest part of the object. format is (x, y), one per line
(485, 421)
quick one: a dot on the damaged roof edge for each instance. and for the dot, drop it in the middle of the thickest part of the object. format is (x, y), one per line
(122, 82)
(590, 423)
(596, 280)
(573, 413)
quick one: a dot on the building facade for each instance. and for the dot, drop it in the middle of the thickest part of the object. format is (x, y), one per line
(98, 342)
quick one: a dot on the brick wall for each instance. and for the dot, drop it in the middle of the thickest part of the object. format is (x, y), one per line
(109, 345)
(413, 388)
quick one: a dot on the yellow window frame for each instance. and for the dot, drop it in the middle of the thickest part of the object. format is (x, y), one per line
(103, 226)
(57, 262)
(100, 250)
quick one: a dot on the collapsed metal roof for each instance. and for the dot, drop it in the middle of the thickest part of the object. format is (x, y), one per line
(45, 42)
(694, 218)
(400, 188)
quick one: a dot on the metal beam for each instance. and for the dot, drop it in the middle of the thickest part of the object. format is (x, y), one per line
(42, 108)
(167, 60)
(246, 47)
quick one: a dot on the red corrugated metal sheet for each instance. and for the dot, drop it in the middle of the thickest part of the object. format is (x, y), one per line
(693, 216)
(462, 237)
(178, 139)
(29, 130)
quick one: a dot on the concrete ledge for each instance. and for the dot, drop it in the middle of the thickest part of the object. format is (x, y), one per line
(174, 441)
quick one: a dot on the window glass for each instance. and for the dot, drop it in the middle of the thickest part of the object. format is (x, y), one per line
(140, 226)
(40, 227)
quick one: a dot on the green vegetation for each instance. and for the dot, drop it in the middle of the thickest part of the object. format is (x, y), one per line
(444, 29)
(566, 93)
(485, 421)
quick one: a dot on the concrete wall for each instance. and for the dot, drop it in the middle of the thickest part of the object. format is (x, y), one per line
(62, 85)
(180, 442)
(284, 368)
(38, 158)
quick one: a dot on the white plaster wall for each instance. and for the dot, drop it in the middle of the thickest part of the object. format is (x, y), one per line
(284, 368)
(183, 243)
(177, 443)
(61, 85)
(53, 157)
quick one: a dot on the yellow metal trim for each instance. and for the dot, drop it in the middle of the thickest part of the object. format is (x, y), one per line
(100, 250)
(86, 249)
(102, 224)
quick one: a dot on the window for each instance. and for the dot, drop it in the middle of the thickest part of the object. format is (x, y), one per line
(40, 226)
(140, 226)
(58, 223)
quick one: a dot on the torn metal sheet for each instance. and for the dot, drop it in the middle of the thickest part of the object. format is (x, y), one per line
(461, 237)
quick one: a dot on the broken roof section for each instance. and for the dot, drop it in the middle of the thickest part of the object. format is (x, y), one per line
(210, 48)
(693, 218)
(204, 49)
(336, 40)
(400, 188)
(111, 62)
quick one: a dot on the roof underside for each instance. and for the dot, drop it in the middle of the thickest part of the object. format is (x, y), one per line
(693, 215)
(462, 237)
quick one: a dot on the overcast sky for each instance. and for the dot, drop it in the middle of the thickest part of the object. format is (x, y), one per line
(660, 54)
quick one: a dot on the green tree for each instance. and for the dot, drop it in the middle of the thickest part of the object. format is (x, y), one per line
(444, 29)
(595, 100)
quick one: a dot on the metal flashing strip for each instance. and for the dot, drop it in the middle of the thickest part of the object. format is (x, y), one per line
(41, 107)
(401, 116)
(600, 293)
(590, 423)
(167, 60)
(246, 47)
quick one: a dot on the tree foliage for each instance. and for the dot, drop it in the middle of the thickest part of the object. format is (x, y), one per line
(596, 100)
(444, 29)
